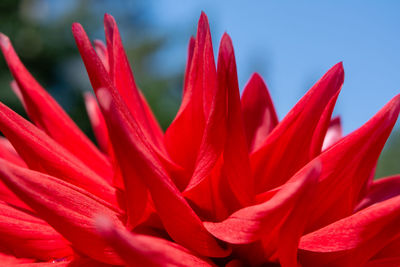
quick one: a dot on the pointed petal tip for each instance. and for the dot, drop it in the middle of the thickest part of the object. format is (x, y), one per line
(226, 46)
(394, 104)
(339, 70)
(256, 76)
(109, 20)
(77, 28)
(203, 15)
(226, 38)
(203, 21)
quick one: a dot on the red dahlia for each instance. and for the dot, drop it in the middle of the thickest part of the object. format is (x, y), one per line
(226, 184)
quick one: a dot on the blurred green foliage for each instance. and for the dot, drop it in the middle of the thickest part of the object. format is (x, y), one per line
(41, 34)
(389, 163)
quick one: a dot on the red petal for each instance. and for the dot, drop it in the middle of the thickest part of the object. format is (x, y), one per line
(28, 236)
(192, 43)
(98, 124)
(213, 140)
(380, 190)
(259, 221)
(102, 52)
(9, 197)
(234, 173)
(236, 155)
(122, 77)
(294, 226)
(66, 207)
(389, 254)
(386, 262)
(259, 113)
(8, 153)
(184, 136)
(178, 218)
(49, 116)
(347, 166)
(48, 264)
(298, 137)
(143, 250)
(212, 199)
(334, 133)
(135, 190)
(10, 260)
(353, 240)
(134, 187)
(43, 154)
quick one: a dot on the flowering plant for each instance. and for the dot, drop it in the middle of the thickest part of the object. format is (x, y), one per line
(226, 184)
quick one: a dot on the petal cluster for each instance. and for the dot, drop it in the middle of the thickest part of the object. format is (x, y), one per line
(227, 184)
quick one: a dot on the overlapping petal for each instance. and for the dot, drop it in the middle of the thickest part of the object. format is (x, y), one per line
(42, 153)
(347, 166)
(255, 222)
(178, 218)
(355, 239)
(298, 137)
(259, 113)
(122, 77)
(380, 190)
(184, 136)
(142, 250)
(50, 117)
(28, 236)
(228, 184)
(97, 121)
(67, 208)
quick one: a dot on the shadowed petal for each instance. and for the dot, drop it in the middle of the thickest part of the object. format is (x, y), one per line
(184, 136)
(97, 121)
(8, 152)
(298, 137)
(64, 206)
(192, 43)
(347, 166)
(102, 52)
(10, 260)
(136, 191)
(353, 240)
(259, 113)
(178, 218)
(231, 181)
(235, 155)
(380, 190)
(142, 250)
(43, 154)
(388, 256)
(28, 236)
(255, 222)
(334, 133)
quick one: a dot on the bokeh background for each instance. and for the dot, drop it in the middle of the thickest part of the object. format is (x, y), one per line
(290, 43)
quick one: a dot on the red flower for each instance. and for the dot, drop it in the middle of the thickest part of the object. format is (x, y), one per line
(226, 184)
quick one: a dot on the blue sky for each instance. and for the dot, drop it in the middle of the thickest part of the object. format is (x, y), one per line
(292, 43)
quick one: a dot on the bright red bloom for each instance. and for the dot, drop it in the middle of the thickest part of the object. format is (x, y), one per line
(226, 184)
